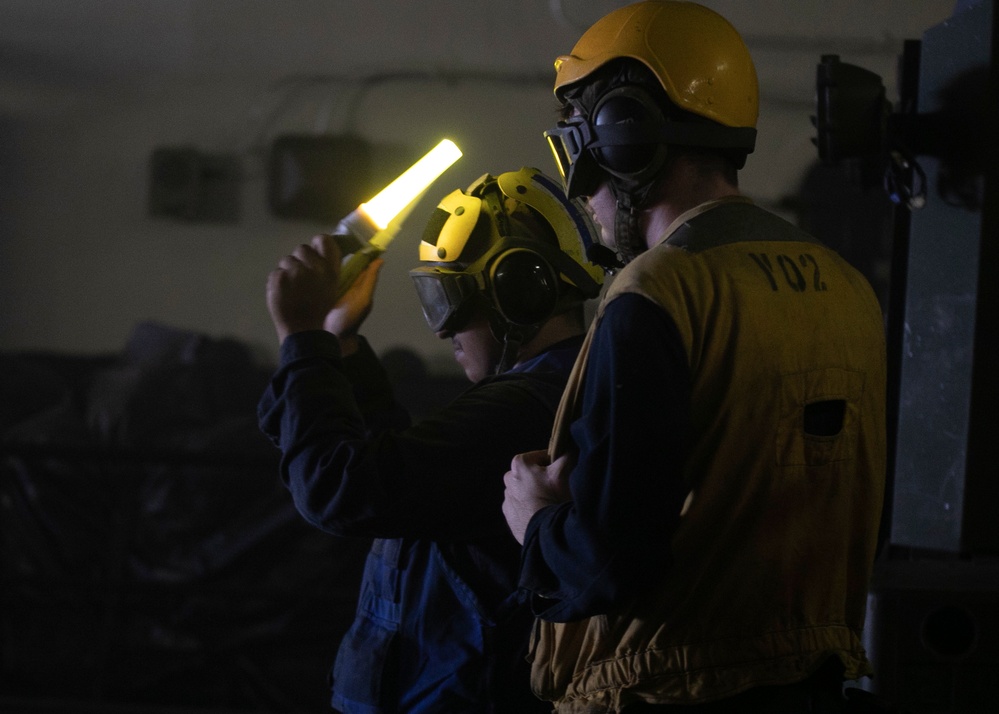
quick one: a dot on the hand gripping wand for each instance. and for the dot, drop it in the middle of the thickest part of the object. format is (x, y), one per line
(366, 232)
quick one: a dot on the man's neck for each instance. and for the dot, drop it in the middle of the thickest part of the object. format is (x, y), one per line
(555, 330)
(684, 188)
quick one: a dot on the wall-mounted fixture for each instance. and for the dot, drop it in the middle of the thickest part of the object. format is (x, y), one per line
(187, 184)
(319, 178)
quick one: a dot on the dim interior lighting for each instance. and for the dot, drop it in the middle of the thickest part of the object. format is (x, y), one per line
(392, 199)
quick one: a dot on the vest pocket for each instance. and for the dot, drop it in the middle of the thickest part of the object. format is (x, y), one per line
(819, 419)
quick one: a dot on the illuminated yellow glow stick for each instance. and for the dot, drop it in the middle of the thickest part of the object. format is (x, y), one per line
(375, 223)
(410, 185)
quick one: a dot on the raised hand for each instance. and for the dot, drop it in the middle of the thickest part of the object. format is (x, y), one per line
(301, 290)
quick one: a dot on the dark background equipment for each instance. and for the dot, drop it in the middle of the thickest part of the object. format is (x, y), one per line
(933, 629)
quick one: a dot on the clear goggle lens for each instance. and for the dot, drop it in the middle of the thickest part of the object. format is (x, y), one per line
(443, 295)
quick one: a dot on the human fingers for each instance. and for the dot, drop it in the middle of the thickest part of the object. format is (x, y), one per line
(526, 474)
(327, 247)
(538, 457)
(516, 508)
(557, 477)
(306, 254)
(363, 288)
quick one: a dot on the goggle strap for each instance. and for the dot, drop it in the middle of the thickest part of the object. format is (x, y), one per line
(576, 137)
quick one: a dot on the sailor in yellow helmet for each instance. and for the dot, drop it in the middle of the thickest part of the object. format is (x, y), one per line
(503, 276)
(700, 533)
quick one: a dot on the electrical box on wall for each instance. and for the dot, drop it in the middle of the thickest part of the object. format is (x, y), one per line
(318, 178)
(187, 184)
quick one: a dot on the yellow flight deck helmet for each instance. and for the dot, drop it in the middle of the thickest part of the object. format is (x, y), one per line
(698, 57)
(691, 52)
(513, 243)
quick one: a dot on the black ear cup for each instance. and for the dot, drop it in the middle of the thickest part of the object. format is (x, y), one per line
(636, 117)
(525, 287)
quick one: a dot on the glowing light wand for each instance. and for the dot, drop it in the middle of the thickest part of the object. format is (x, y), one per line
(367, 231)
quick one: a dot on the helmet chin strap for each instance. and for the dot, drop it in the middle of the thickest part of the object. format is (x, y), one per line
(512, 337)
(628, 235)
(511, 347)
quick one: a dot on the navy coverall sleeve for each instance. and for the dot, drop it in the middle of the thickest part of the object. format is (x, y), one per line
(583, 556)
(354, 471)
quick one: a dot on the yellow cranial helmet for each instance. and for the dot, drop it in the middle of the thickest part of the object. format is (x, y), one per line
(699, 58)
(513, 242)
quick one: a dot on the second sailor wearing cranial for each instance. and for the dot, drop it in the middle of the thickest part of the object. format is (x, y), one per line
(498, 252)
(439, 625)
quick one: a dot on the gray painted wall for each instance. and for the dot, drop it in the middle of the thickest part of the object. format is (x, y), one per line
(88, 88)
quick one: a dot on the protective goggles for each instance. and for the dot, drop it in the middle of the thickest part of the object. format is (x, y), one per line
(574, 141)
(445, 295)
(570, 142)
